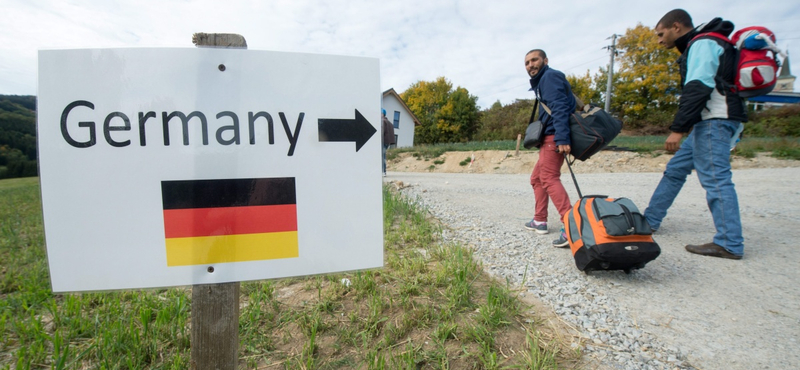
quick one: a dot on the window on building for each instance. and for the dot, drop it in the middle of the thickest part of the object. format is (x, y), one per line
(395, 142)
(396, 119)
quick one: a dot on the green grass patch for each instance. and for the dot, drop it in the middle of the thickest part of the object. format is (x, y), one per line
(430, 307)
(780, 147)
(643, 144)
(784, 148)
(428, 151)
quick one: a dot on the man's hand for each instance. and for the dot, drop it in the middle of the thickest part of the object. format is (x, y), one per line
(673, 142)
(563, 149)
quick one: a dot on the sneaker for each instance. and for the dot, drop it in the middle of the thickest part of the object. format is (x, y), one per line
(540, 228)
(562, 241)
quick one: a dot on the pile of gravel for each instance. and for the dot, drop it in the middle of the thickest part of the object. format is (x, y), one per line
(512, 254)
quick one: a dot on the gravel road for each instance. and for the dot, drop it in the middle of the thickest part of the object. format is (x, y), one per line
(682, 311)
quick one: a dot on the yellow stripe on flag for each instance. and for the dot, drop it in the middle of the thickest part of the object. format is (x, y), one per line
(231, 248)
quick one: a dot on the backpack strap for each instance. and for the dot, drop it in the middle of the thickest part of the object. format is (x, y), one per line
(714, 35)
(730, 86)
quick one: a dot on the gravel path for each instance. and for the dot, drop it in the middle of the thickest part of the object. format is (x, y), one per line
(681, 311)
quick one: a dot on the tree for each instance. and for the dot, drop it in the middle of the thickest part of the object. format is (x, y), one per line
(505, 122)
(649, 80)
(17, 136)
(585, 88)
(446, 115)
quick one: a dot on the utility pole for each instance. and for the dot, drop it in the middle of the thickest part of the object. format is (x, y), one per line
(613, 50)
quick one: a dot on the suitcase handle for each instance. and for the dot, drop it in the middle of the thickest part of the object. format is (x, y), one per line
(574, 181)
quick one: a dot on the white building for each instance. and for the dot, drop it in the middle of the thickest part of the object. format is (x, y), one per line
(401, 117)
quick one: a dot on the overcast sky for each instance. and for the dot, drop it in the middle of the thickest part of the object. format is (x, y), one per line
(478, 45)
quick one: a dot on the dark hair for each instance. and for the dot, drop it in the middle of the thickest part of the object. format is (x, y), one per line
(540, 51)
(679, 16)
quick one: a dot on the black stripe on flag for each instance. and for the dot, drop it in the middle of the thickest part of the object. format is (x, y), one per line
(228, 193)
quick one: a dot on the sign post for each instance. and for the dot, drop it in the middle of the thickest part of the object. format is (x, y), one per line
(215, 307)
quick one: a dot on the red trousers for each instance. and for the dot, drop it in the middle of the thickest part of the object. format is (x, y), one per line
(546, 181)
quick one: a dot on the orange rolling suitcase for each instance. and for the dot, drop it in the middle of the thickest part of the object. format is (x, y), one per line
(608, 234)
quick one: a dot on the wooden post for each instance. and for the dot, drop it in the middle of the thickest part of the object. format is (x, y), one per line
(219, 40)
(215, 326)
(519, 137)
(215, 307)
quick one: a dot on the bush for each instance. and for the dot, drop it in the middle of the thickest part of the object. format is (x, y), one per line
(504, 122)
(653, 122)
(21, 168)
(776, 122)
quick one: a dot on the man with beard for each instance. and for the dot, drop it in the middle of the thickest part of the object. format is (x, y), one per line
(554, 94)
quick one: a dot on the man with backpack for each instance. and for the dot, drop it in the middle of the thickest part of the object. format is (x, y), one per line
(553, 91)
(710, 110)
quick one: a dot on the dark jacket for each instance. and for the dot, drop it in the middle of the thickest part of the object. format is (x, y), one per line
(552, 89)
(708, 76)
(388, 132)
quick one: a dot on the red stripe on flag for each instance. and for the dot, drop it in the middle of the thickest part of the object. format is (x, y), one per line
(182, 223)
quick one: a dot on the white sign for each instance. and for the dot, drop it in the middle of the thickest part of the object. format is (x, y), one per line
(166, 167)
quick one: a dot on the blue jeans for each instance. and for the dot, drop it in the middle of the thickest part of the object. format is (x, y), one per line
(385, 147)
(706, 150)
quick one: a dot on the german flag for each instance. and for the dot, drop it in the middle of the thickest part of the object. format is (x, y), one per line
(236, 220)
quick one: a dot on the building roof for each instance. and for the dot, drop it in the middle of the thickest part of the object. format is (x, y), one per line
(784, 97)
(785, 69)
(403, 103)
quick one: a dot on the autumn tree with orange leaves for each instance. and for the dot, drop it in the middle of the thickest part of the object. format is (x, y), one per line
(647, 82)
(446, 114)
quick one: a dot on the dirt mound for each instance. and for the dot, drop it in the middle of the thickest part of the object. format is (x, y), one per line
(508, 162)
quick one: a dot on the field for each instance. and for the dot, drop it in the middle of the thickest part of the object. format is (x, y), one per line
(430, 307)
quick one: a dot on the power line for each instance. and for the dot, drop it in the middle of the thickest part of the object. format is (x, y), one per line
(510, 88)
(576, 66)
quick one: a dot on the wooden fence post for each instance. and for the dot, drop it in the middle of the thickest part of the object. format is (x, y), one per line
(519, 137)
(215, 307)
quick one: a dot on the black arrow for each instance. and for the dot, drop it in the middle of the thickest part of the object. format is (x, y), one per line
(358, 130)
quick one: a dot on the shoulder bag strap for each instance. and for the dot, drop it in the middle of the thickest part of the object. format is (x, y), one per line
(533, 114)
(578, 105)
(566, 157)
(546, 109)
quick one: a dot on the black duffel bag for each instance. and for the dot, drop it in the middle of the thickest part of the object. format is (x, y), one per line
(591, 129)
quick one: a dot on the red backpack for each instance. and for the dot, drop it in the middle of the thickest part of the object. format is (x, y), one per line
(756, 70)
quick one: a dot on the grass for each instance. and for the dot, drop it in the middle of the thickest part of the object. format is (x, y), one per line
(784, 148)
(428, 151)
(430, 307)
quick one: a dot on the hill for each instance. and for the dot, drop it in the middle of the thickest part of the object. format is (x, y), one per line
(17, 136)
